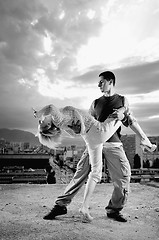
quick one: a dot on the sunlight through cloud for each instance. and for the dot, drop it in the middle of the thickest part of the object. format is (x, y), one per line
(62, 15)
(154, 117)
(152, 97)
(105, 49)
(47, 44)
(91, 14)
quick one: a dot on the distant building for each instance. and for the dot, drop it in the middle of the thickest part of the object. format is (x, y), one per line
(73, 153)
(148, 157)
(2, 143)
(131, 145)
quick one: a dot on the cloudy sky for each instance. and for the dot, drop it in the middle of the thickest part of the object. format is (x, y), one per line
(52, 51)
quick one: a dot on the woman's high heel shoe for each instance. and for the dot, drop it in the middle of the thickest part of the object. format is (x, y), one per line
(148, 148)
(146, 144)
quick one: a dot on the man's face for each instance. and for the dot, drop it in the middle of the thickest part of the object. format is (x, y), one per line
(104, 85)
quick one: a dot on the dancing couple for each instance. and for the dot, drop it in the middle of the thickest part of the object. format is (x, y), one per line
(97, 129)
(53, 121)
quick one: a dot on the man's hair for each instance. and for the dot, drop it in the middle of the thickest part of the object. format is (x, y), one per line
(108, 76)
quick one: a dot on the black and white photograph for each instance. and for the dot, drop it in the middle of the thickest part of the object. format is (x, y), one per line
(79, 120)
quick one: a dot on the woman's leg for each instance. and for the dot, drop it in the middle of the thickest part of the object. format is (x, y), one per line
(101, 132)
(145, 142)
(95, 175)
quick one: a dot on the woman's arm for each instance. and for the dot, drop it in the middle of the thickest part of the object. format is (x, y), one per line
(47, 110)
(76, 122)
(57, 116)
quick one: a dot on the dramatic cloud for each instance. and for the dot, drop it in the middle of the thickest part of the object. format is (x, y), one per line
(53, 52)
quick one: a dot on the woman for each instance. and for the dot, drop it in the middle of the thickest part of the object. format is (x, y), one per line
(53, 121)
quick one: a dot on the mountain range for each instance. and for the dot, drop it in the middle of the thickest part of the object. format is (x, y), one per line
(16, 135)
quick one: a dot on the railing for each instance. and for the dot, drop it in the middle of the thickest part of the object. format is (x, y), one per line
(146, 174)
(25, 156)
(34, 176)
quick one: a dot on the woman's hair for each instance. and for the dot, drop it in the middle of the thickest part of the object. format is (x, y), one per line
(52, 122)
(49, 136)
(48, 141)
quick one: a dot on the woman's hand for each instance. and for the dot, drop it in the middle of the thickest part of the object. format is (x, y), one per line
(76, 126)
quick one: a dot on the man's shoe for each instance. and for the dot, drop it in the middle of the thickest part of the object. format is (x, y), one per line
(117, 216)
(57, 210)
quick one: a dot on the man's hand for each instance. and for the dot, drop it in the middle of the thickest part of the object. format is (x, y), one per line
(117, 114)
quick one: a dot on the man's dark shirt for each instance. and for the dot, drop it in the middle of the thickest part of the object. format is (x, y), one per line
(104, 106)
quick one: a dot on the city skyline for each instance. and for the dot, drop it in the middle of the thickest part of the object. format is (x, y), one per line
(53, 52)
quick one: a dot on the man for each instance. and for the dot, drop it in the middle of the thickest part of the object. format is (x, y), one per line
(117, 161)
(108, 105)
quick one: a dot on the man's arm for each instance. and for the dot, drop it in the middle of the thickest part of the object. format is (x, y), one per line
(128, 116)
(122, 113)
(92, 110)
